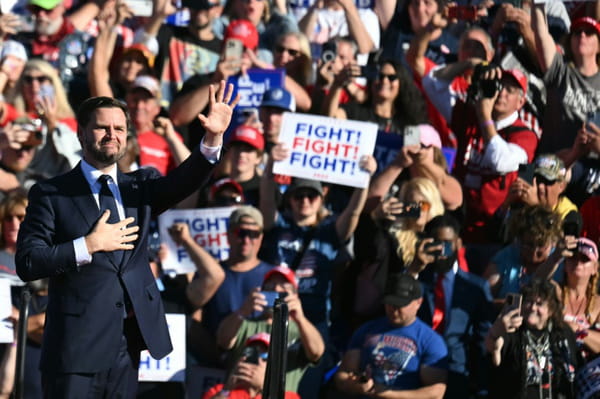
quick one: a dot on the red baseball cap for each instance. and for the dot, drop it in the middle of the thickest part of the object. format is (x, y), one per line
(518, 76)
(249, 135)
(263, 338)
(244, 31)
(284, 271)
(226, 181)
(586, 22)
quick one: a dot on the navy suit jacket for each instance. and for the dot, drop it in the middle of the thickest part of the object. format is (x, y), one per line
(84, 318)
(471, 316)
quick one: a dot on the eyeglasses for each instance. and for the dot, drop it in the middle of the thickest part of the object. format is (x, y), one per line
(542, 180)
(243, 233)
(390, 77)
(40, 79)
(300, 195)
(280, 49)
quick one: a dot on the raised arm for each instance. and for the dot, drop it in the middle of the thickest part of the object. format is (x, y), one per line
(98, 70)
(210, 273)
(565, 248)
(356, 27)
(267, 203)
(311, 339)
(544, 43)
(418, 45)
(348, 220)
(331, 104)
(87, 12)
(230, 325)
(178, 149)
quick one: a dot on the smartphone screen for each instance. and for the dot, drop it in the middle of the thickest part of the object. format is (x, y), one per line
(526, 172)
(593, 117)
(513, 301)
(234, 49)
(412, 135)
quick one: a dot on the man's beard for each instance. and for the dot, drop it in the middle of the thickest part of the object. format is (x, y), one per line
(49, 28)
(103, 157)
(444, 265)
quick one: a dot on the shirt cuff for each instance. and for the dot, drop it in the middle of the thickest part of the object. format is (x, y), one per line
(82, 256)
(212, 154)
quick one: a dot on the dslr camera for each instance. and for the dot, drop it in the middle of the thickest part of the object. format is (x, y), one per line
(480, 87)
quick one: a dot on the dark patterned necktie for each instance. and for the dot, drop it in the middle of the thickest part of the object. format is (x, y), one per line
(107, 201)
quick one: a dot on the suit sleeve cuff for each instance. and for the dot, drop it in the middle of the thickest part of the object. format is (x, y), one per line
(212, 154)
(82, 256)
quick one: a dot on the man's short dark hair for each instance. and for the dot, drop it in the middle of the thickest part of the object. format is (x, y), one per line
(84, 113)
(440, 222)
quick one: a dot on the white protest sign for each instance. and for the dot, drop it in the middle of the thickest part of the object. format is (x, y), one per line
(171, 367)
(6, 325)
(326, 149)
(208, 228)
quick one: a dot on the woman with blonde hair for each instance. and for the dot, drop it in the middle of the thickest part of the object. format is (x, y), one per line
(40, 95)
(578, 289)
(292, 52)
(418, 202)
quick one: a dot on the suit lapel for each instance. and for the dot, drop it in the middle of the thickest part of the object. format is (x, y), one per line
(82, 198)
(84, 202)
(130, 197)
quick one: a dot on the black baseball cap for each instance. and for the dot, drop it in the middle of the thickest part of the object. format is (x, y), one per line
(402, 289)
(200, 4)
(299, 183)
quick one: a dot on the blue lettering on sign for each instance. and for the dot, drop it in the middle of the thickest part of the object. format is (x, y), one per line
(251, 88)
(387, 146)
(200, 225)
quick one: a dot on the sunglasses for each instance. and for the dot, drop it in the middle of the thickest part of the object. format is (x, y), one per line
(542, 180)
(280, 49)
(243, 233)
(390, 77)
(228, 200)
(300, 195)
(425, 206)
(40, 79)
(585, 31)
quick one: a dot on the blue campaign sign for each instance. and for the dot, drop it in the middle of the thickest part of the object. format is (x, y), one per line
(251, 88)
(387, 146)
(252, 85)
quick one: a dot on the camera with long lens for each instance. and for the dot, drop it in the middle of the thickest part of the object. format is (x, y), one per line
(483, 88)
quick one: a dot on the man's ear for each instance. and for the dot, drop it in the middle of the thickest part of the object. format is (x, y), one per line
(522, 101)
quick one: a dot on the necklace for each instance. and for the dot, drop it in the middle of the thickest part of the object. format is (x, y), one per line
(580, 305)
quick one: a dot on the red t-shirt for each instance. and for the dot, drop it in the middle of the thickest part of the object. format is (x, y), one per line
(242, 394)
(155, 152)
(590, 213)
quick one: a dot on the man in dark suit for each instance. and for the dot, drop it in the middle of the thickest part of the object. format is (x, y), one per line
(87, 230)
(457, 304)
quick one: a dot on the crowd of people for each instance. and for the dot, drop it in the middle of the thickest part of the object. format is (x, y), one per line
(467, 267)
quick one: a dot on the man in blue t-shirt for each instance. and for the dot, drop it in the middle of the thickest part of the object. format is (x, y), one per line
(244, 271)
(397, 352)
